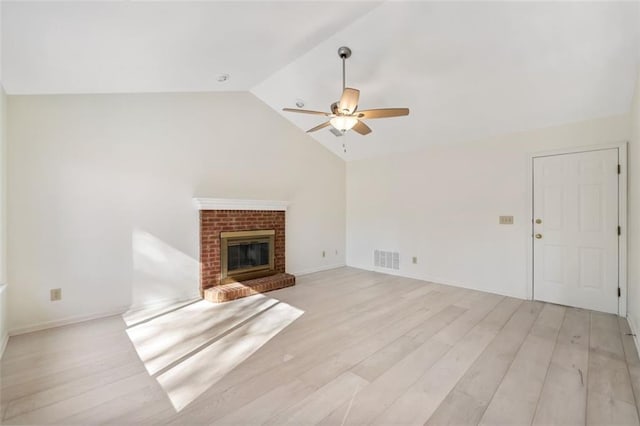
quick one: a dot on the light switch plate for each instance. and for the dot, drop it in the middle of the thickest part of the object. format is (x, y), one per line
(506, 220)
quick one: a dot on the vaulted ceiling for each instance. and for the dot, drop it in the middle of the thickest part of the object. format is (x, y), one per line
(165, 46)
(467, 70)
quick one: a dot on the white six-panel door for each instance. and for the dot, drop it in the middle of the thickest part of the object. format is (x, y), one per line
(575, 244)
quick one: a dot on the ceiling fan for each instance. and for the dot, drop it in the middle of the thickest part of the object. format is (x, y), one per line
(344, 115)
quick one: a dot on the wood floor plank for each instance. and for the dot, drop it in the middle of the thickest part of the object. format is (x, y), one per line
(382, 392)
(188, 380)
(631, 356)
(610, 397)
(373, 366)
(355, 347)
(273, 404)
(467, 402)
(365, 348)
(322, 402)
(563, 399)
(126, 408)
(351, 355)
(343, 312)
(306, 357)
(71, 389)
(421, 399)
(58, 411)
(136, 316)
(73, 349)
(515, 401)
(47, 379)
(163, 340)
(62, 339)
(314, 330)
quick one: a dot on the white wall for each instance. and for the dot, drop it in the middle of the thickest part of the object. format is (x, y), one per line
(4, 331)
(633, 303)
(4, 335)
(101, 187)
(442, 204)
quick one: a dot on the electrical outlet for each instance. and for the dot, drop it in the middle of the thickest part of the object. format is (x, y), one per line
(414, 259)
(506, 220)
(56, 294)
(324, 254)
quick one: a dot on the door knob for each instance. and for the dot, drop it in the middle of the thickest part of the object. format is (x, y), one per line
(538, 221)
(538, 236)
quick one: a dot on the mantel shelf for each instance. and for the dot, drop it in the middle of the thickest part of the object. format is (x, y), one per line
(236, 204)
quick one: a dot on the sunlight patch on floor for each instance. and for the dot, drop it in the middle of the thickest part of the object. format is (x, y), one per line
(136, 316)
(189, 349)
(168, 338)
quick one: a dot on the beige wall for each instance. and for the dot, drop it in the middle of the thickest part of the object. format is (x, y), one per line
(634, 213)
(442, 204)
(101, 187)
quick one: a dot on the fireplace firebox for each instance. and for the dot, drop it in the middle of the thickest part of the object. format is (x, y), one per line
(246, 255)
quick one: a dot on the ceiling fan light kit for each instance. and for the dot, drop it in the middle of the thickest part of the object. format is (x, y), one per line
(344, 115)
(343, 123)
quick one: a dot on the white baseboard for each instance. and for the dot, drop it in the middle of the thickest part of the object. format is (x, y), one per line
(634, 330)
(5, 340)
(82, 318)
(436, 280)
(65, 321)
(318, 269)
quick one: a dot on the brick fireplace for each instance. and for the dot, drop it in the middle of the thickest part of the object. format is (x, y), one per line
(222, 219)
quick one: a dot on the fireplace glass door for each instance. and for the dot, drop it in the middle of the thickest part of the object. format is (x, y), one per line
(246, 255)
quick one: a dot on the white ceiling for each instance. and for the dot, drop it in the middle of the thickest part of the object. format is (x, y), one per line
(467, 70)
(166, 46)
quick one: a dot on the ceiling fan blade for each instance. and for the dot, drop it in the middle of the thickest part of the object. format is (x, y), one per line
(383, 113)
(319, 126)
(349, 100)
(361, 128)
(307, 111)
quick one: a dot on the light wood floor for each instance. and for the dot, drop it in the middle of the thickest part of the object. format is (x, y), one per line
(342, 347)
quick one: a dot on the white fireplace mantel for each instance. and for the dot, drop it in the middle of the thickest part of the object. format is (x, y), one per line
(234, 204)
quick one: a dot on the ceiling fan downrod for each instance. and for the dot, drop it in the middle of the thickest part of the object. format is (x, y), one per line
(344, 52)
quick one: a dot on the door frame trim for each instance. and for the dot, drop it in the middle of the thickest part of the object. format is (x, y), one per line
(622, 214)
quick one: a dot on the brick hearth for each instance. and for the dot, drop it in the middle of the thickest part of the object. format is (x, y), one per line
(226, 292)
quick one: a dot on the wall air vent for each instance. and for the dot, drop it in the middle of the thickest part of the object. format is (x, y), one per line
(386, 259)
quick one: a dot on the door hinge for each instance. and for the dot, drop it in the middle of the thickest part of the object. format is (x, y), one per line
(619, 292)
(619, 169)
(619, 230)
